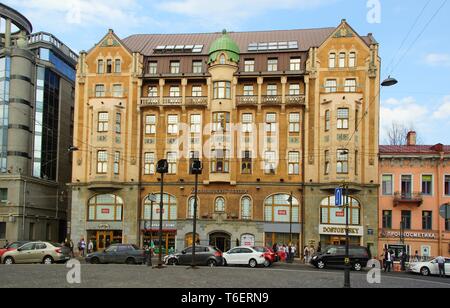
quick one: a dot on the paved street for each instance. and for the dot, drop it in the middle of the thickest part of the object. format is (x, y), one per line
(280, 276)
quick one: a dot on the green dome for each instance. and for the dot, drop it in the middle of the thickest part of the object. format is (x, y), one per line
(224, 44)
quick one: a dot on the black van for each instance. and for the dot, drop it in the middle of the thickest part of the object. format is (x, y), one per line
(334, 256)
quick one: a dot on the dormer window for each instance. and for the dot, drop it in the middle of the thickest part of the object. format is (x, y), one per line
(222, 59)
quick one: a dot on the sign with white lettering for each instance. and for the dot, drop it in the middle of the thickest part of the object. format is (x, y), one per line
(408, 234)
(340, 230)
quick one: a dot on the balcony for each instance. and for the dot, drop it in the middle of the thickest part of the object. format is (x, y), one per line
(247, 100)
(294, 100)
(413, 199)
(150, 101)
(271, 100)
(197, 101)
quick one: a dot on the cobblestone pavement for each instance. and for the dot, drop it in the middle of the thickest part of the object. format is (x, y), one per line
(138, 276)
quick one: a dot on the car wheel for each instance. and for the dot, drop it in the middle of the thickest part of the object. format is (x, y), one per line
(130, 261)
(267, 263)
(357, 267)
(48, 260)
(95, 261)
(425, 271)
(8, 261)
(212, 263)
(252, 263)
(173, 262)
(321, 265)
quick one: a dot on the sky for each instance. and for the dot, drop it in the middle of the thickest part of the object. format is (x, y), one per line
(413, 37)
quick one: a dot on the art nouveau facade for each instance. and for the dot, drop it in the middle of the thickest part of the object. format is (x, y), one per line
(268, 113)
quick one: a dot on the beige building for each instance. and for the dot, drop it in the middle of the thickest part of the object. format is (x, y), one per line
(268, 113)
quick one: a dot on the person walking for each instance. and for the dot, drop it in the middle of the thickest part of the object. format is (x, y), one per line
(294, 251)
(82, 247)
(387, 261)
(416, 256)
(404, 258)
(289, 254)
(441, 263)
(306, 254)
(91, 247)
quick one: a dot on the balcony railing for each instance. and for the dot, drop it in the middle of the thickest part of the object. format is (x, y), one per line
(295, 99)
(401, 198)
(271, 100)
(247, 100)
(51, 39)
(150, 101)
(196, 101)
(172, 101)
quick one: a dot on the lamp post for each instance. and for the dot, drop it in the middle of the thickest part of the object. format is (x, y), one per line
(152, 199)
(347, 238)
(162, 168)
(196, 168)
(290, 199)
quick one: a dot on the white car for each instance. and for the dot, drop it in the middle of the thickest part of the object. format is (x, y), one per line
(244, 256)
(429, 268)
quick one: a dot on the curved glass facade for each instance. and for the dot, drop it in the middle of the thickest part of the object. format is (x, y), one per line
(5, 71)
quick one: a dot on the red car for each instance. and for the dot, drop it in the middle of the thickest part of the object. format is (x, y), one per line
(12, 246)
(270, 256)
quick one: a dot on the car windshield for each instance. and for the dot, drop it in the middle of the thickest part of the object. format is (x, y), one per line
(15, 245)
(260, 249)
(56, 245)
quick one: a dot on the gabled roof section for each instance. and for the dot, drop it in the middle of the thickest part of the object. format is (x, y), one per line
(111, 40)
(345, 30)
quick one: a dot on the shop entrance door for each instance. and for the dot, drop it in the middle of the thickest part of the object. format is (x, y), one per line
(104, 239)
(221, 241)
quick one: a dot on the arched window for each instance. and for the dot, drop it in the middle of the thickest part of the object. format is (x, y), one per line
(246, 208)
(105, 208)
(332, 60)
(169, 208)
(333, 215)
(219, 205)
(222, 59)
(191, 204)
(277, 209)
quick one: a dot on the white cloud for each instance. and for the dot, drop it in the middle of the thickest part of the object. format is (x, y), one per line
(443, 111)
(438, 59)
(396, 102)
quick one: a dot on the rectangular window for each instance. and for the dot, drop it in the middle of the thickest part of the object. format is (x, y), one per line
(294, 163)
(2, 230)
(387, 219)
(332, 60)
(117, 90)
(342, 118)
(327, 162)
(103, 121)
(294, 89)
(247, 123)
(116, 163)
(387, 185)
(342, 162)
(3, 195)
(352, 59)
(196, 123)
(331, 86)
(100, 90)
(150, 124)
(222, 90)
(172, 125)
(327, 120)
(172, 161)
(109, 66)
(197, 91)
(174, 67)
(427, 185)
(447, 185)
(153, 67)
(342, 60)
(272, 89)
(272, 65)
(246, 162)
(197, 67)
(174, 91)
(350, 85)
(220, 161)
(100, 67)
(149, 163)
(427, 220)
(249, 65)
(295, 64)
(102, 162)
(406, 220)
(406, 186)
(294, 122)
(118, 123)
(271, 122)
(152, 91)
(248, 90)
(221, 121)
(118, 66)
(270, 162)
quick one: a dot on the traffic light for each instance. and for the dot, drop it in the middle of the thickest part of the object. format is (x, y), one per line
(196, 167)
(162, 166)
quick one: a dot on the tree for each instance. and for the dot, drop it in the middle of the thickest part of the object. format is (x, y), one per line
(398, 133)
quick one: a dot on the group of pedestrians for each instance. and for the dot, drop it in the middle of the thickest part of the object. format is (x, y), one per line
(309, 252)
(82, 247)
(286, 253)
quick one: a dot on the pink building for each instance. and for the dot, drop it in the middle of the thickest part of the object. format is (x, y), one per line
(415, 183)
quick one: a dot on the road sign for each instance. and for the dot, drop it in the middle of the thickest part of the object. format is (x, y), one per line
(338, 197)
(445, 211)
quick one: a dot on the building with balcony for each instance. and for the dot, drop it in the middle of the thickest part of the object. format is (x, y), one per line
(415, 184)
(37, 90)
(270, 114)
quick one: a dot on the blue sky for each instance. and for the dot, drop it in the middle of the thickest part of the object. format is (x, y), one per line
(421, 100)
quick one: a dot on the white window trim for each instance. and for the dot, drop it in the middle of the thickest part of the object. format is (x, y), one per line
(400, 182)
(432, 184)
(393, 185)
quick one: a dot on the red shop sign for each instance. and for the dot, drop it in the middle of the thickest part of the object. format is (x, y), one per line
(105, 211)
(282, 212)
(340, 214)
(159, 210)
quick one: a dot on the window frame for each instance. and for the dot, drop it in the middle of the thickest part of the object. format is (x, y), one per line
(342, 160)
(102, 162)
(249, 65)
(102, 122)
(295, 66)
(343, 120)
(272, 64)
(175, 67)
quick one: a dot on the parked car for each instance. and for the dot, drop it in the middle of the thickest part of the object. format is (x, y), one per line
(334, 256)
(204, 255)
(428, 268)
(37, 252)
(12, 247)
(118, 254)
(244, 256)
(269, 255)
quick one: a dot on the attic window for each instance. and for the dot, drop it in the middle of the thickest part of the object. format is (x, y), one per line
(270, 46)
(178, 49)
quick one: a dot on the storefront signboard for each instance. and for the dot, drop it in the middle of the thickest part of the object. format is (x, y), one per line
(248, 240)
(340, 230)
(408, 234)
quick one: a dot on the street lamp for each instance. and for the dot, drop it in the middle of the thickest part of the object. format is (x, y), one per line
(196, 168)
(162, 168)
(290, 199)
(152, 198)
(347, 238)
(389, 82)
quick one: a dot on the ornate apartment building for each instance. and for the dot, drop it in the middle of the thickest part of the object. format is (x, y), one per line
(271, 115)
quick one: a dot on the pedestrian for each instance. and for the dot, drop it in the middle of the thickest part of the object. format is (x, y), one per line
(275, 248)
(306, 254)
(283, 253)
(319, 248)
(294, 251)
(81, 247)
(416, 256)
(387, 261)
(289, 254)
(312, 252)
(441, 263)
(91, 247)
(404, 258)
(71, 246)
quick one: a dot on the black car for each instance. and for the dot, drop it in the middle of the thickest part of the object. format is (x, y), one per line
(204, 255)
(119, 254)
(334, 256)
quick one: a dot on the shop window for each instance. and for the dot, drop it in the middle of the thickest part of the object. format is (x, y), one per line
(169, 208)
(334, 215)
(277, 208)
(106, 207)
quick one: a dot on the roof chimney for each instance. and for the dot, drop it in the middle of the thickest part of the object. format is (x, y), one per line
(411, 138)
